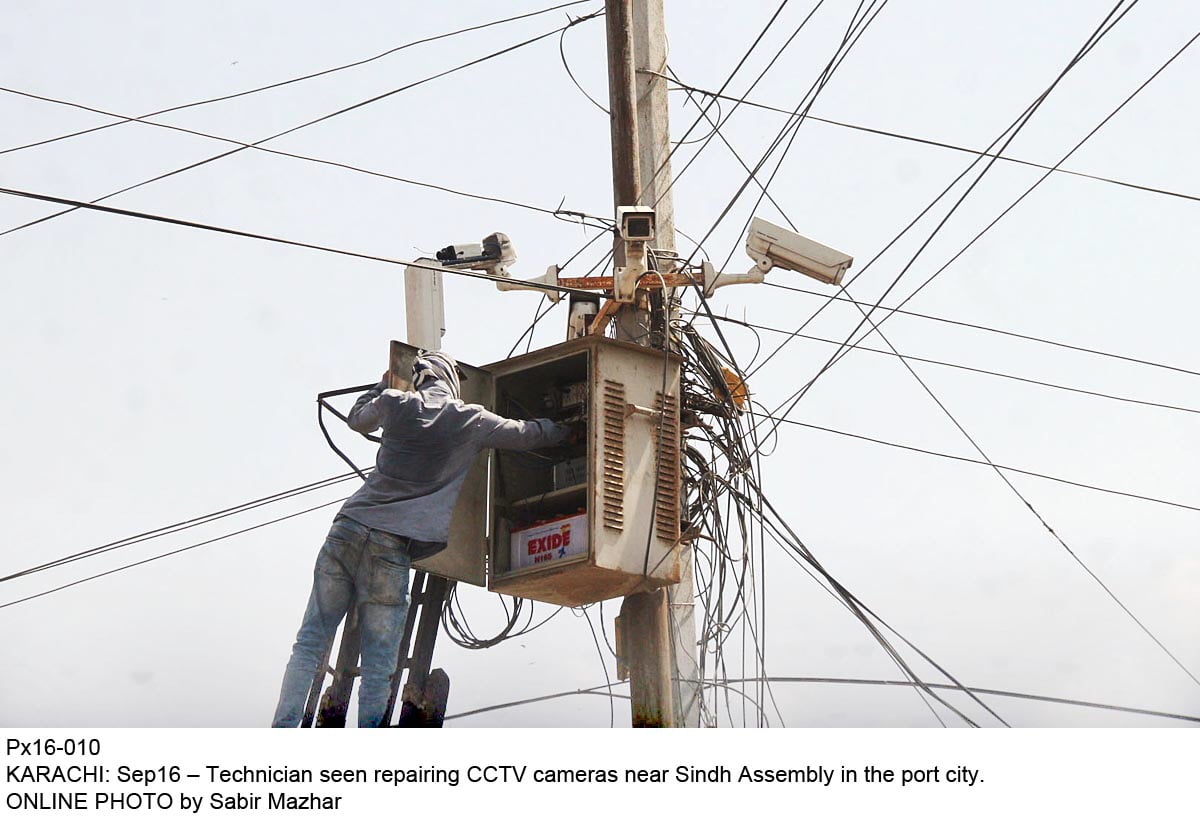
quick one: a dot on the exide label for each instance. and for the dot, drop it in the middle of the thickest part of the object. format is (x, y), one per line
(549, 542)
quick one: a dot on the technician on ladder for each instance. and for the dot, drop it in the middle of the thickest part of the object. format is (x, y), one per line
(400, 514)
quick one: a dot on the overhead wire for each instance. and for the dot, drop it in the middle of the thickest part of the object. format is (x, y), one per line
(298, 156)
(835, 680)
(703, 114)
(683, 86)
(865, 614)
(792, 401)
(1005, 136)
(965, 368)
(706, 489)
(184, 525)
(137, 214)
(301, 78)
(603, 663)
(652, 183)
(309, 123)
(978, 462)
(850, 38)
(985, 328)
(176, 551)
(1043, 178)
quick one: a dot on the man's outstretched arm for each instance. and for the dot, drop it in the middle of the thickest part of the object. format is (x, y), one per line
(368, 412)
(520, 435)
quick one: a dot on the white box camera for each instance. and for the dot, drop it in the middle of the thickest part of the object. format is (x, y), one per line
(773, 246)
(636, 222)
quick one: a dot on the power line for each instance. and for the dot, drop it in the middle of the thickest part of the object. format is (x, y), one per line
(944, 192)
(603, 690)
(966, 368)
(922, 141)
(806, 101)
(683, 140)
(1101, 31)
(137, 214)
(983, 327)
(310, 122)
(288, 154)
(170, 553)
(866, 317)
(851, 39)
(984, 691)
(301, 78)
(174, 528)
(1036, 184)
(652, 182)
(963, 459)
(1003, 140)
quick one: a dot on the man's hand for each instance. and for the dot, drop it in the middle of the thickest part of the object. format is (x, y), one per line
(576, 432)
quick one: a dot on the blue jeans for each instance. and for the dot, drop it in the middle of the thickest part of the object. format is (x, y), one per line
(355, 564)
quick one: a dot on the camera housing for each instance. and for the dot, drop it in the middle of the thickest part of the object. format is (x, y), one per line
(493, 255)
(637, 223)
(773, 246)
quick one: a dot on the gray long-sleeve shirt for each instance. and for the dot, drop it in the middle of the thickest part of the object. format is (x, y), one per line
(430, 440)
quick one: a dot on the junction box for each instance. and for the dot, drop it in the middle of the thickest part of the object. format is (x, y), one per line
(587, 521)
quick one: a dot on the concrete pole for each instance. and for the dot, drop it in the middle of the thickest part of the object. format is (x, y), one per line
(632, 322)
(658, 627)
(654, 143)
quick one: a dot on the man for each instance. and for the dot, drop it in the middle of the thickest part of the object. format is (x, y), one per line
(400, 514)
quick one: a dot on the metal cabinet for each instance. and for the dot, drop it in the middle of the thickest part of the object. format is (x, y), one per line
(582, 523)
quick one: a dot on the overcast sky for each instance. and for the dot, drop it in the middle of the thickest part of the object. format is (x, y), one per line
(154, 373)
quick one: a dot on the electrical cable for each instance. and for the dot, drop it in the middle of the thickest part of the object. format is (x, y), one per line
(308, 123)
(682, 86)
(652, 183)
(288, 154)
(843, 348)
(1011, 131)
(171, 553)
(1036, 184)
(964, 367)
(566, 67)
(136, 214)
(984, 691)
(985, 328)
(701, 508)
(603, 690)
(603, 665)
(181, 526)
(850, 39)
(962, 459)
(302, 78)
(833, 680)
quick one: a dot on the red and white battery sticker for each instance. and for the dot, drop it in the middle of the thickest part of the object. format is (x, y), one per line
(550, 542)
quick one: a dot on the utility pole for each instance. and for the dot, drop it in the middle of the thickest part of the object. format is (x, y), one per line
(658, 632)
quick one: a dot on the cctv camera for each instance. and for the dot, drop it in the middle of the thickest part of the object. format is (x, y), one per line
(636, 223)
(773, 246)
(495, 254)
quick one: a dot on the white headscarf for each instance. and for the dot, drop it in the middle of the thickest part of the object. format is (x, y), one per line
(436, 366)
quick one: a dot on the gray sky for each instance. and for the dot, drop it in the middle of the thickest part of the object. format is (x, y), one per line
(154, 373)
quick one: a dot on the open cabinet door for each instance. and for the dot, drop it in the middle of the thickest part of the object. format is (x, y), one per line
(465, 558)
